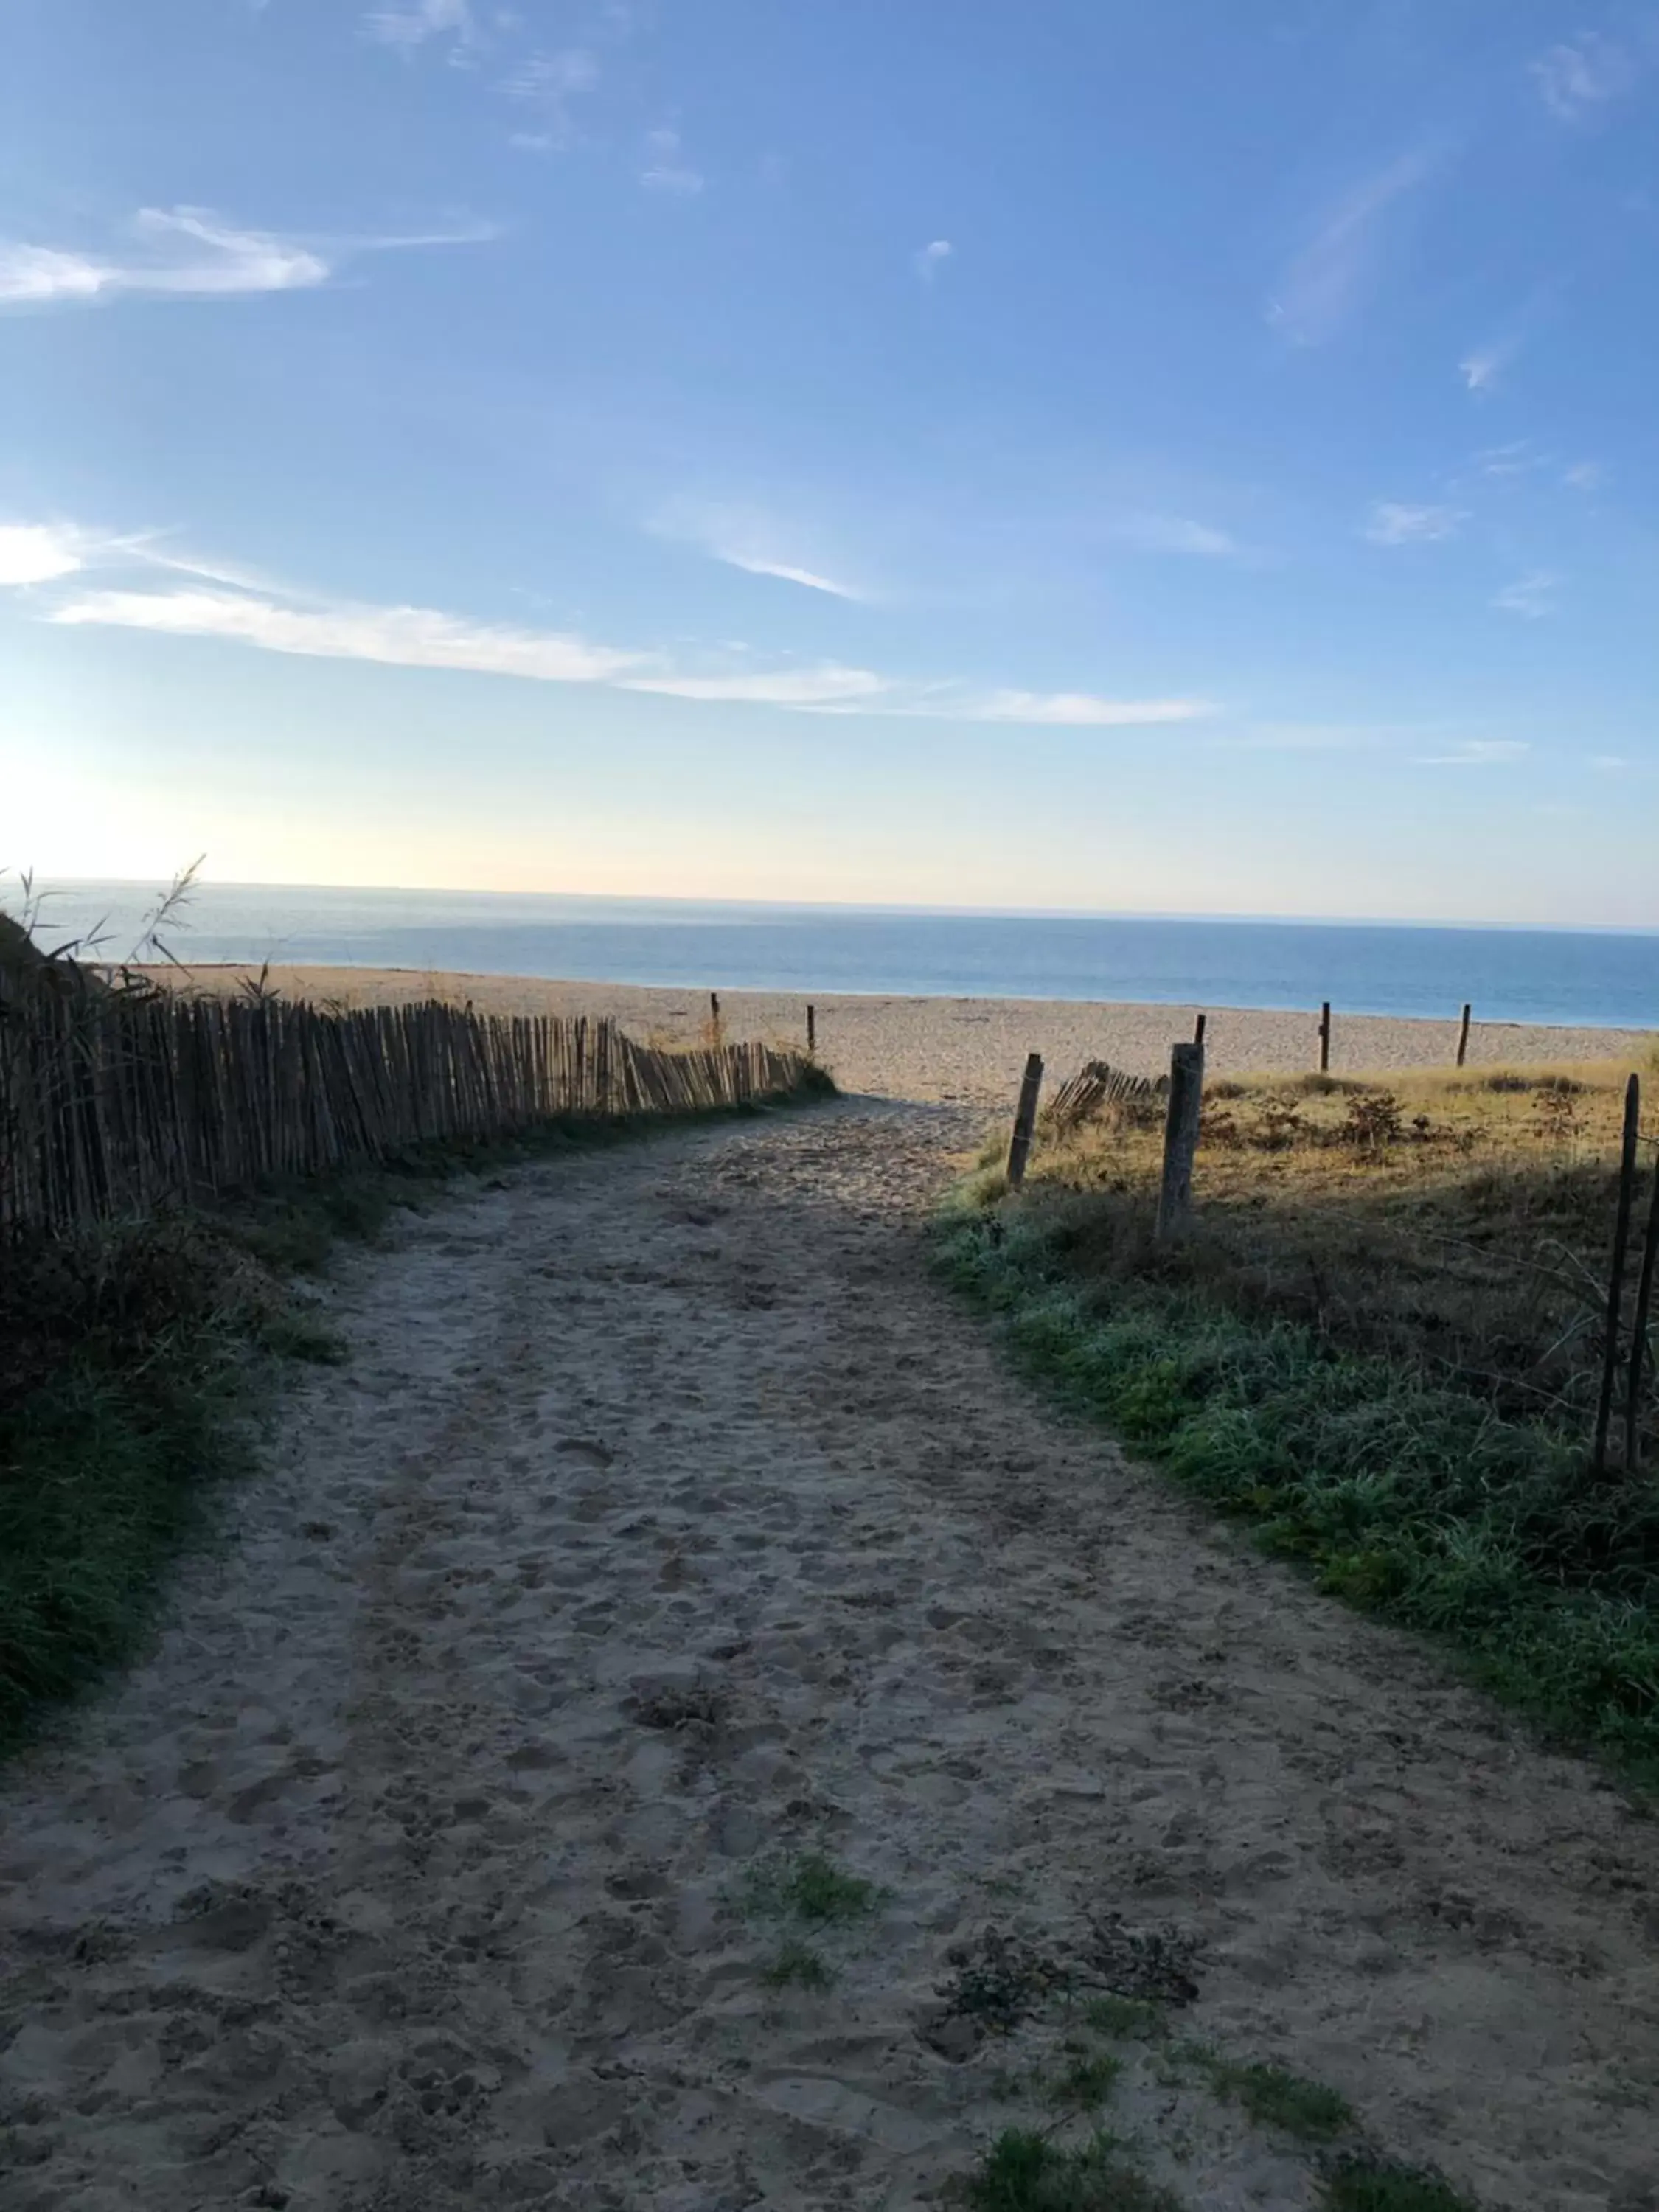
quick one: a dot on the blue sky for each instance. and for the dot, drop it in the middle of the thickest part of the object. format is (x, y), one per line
(1194, 457)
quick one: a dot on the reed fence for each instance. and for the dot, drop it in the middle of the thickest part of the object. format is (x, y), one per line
(110, 1104)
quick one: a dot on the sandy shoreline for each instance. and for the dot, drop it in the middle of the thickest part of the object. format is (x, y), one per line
(970, 1051)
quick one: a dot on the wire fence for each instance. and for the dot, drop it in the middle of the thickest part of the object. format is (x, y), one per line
(111, 1102)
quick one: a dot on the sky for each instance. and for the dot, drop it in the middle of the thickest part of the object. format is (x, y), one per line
(1074, 454)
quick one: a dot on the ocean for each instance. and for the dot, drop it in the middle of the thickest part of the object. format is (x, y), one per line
(1584, 978)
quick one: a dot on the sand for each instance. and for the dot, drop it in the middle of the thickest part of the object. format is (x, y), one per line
(667, 1518)
(970, 1051)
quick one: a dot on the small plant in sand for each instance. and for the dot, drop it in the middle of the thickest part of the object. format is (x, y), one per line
(999, 1980)
(1086, 2080)
(1364, 2183)
(1124, 2019)
(811, 1888)
(1025, 2170)
(1373, 1122)
(797, 1966)
(1275, 2097)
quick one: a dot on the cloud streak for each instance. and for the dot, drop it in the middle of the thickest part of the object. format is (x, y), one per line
(665, 170)
(1321, 287)
(1178, 534)
(932, 259)
(1481, 369)
(214, 604)
(411, 26)
(189, 253)
(1477, 752)
(750, 541)
(1081, 710)
(1532, 596)
(1392, 523)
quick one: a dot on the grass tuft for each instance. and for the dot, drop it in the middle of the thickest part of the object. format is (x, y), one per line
(811, 1888)
(1125, 2019)
(1365, 2183)
(1275, 2099)
(797, 1966)
(1087, 2081)
(1024, 2171)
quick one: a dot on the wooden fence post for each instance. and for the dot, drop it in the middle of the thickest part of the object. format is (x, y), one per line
(1019, 1144)
(1616, 1276)
(1463, 1037)
(1639, 1342)
(1198, 1029)
(1325, 1037)
(1175, 1196)
(812, 1031)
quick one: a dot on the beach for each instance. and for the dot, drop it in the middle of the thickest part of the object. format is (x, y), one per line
(966, 1051)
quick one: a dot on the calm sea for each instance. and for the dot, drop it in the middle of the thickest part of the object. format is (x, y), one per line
(1596, 979)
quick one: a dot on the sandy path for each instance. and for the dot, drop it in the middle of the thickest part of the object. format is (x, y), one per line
(377, 1887)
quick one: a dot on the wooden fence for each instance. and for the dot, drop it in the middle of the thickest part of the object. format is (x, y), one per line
(110, 1104)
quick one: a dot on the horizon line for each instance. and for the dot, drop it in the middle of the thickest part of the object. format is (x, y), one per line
(894, 907)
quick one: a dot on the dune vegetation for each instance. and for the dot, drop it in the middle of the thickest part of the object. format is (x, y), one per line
(1380, 1341)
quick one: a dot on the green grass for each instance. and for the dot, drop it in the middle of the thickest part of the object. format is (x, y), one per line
(128, 1358)
(1087, 2080)
(1366, 2184)
(813, 1888)
(1027, 2172)
(1406, 1496)
(1125, 2019)
(1275, 2099)
(797, 1966)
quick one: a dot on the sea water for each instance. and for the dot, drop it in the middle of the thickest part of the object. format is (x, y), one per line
(1581, 977)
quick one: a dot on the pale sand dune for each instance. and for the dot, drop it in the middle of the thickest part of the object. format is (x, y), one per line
(669, 1516)
(970, 1051)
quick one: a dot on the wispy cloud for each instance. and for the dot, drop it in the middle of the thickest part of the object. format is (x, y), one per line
(829, 684)
(412, 25)
(1394, 524)
(1584, 475)
(544, 85)
(1581, 75)
(189, 253)
(1516, 458)
(932, 259)
(1080, 709)
(758, 565)
(665, 170)
(1477, 752)
(1531, 596)
(38, 553)
(275, 619)
(1320, 288)
(1481, 369)
(745, 538)
(1178, 534)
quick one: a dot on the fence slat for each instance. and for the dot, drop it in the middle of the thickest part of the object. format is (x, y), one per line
(110, 1102)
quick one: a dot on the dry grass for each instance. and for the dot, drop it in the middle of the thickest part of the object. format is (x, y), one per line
(1457, 1223)
(1380, 1340)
